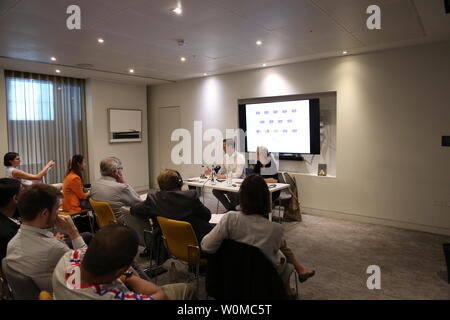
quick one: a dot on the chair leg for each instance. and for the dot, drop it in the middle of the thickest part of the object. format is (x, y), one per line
(172, 271)
(295, 273)
(197, 271)
(279, 209)
(91, 218)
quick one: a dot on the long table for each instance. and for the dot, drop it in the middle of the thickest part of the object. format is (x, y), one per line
(223, 185)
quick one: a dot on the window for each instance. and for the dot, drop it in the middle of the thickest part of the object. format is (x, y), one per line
(33, 100)
(45, 120)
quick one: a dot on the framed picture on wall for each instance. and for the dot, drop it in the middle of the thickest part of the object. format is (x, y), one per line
(125, 125)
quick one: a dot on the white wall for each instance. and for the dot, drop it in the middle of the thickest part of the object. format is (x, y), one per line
(327, 140)
(100, 96)
(392, 109)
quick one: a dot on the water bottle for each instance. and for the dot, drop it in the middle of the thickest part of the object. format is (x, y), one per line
(229, 176)
(213, 177)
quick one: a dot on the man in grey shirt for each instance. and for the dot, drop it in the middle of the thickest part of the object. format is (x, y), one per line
(34, 251)
(112, 188)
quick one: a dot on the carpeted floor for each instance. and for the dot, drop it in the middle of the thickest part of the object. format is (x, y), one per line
(412, 263)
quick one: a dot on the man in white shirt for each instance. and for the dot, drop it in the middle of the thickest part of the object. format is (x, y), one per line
(112, 188)
(233, 163)
(34, 251)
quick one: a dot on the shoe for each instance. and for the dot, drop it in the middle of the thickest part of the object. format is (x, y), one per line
(305, 276)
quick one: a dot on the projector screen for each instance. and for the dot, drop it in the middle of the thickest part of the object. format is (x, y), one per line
(286, 127)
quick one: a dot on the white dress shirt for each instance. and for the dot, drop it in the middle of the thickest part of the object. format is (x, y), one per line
(252, 230)
(235, 163)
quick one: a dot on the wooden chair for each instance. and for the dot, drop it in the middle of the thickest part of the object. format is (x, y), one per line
(181, 243)
(103, 212)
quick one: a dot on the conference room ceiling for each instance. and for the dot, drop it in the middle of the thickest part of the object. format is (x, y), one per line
(219, 35)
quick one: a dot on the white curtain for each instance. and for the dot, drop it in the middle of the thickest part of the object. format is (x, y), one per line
(45, 120)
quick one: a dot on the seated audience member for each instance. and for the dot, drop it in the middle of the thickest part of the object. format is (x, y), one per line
(112, 188)
(252, 227)
(11, 161)
(173, 203)
(34, 251)
(233, 163)
(9, 191)
(105, 271)
(267, 168)
(75, 199)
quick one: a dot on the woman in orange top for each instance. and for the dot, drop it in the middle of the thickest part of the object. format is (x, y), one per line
(75, 199)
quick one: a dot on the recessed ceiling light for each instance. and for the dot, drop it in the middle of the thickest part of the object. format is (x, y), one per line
(258, 42)
(205, 74)
(100, 40)
(344, 52)
(177, 10)
(53, 58)
(264, 65)
(58, 71)
(183, 59)
(131, 70)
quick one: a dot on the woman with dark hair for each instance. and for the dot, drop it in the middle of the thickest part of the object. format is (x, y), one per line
(11, 160)
(75, 198)
(252, 227)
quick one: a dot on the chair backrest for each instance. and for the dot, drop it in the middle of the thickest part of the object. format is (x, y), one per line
(285, 177)
(137, 224)
(5, 290)
(180, 239)
(241, 271)
(103, 212)
(22, 287)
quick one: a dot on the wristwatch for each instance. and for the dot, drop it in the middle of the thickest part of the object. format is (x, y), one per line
(128, 273)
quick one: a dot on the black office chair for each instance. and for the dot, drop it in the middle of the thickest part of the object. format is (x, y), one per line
(154, 245)
(5, 290)
(22, 287)
(446, 247)
(240, 271)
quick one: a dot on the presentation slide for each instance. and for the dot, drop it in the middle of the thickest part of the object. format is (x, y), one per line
(279, 126)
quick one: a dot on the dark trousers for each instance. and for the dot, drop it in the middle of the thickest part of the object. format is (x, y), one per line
(229, 199)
